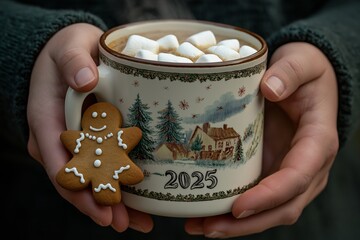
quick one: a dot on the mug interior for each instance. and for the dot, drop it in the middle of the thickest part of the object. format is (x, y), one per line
(190, 27)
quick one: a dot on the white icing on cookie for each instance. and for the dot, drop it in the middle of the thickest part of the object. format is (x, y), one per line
(75, 171)
(102, 186)
(97, 129)
(98, 151)
(121, 144)
(117, 172)
(97, 163)
(78, 144)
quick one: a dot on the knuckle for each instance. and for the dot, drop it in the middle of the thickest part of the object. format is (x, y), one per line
(68, 57)
(291, 215)
(324, 182)
(293, 69)
(334, 147)
(274, 201)
(303, 180)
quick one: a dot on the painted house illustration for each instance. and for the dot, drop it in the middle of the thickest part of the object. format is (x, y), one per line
(171, 151)
(216, 143)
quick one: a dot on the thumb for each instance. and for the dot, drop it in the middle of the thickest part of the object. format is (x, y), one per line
(291, 66)
(73, 49)
(78, 69)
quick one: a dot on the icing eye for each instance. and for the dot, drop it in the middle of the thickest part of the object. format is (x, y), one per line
(94, 114)
(103, 115)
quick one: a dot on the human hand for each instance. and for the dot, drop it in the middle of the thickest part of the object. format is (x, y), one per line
(69, 59)
(300, 145)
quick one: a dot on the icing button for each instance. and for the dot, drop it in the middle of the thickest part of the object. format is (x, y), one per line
(98, 151)
(97, 163)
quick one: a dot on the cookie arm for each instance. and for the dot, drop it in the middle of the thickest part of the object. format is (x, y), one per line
(71, 139)
(130, 136)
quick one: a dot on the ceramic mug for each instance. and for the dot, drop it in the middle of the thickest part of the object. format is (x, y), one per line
(202, 123)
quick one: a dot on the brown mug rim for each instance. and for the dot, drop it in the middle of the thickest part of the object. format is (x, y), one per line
(258, 54)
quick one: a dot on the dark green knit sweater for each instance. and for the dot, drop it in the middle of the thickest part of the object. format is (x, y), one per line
(333, 26)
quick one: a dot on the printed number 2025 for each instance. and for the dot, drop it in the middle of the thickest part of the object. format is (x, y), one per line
(184, 180)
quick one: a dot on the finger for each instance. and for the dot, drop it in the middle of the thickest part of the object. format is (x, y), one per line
(85, 203)
(140, 221)
(299, 167)
(288, 70)
(120, 220)
(51, 148)
(78, 69)
(47, 130)
(194, 226)
(75, 58)
(226, 226)
(33, 147)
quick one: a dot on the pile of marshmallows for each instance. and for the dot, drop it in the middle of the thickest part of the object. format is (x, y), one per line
(200, 47)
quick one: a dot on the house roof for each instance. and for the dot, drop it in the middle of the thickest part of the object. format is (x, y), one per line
(221, 133)
(174, 147)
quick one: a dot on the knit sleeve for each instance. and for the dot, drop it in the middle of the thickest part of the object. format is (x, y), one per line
(24, 31)
(336, 31)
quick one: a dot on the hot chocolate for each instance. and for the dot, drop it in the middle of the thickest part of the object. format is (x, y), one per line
(182, 47)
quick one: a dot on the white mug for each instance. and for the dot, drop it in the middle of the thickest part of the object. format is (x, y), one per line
(202, 123)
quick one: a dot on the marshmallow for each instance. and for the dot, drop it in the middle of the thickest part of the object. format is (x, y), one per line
(230, 43)
(246, 51)
(168, 43)
(202, 40)
(136, 43)
(146, 54)
(224, 53)
(168, 57)
(188, 50)
(207, 58)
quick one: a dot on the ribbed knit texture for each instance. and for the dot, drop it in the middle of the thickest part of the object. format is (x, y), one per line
(26, 29)
(339, 41)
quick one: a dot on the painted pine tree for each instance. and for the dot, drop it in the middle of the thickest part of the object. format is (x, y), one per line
(196, 146)
(140, 117)
(169, 128)
(239, 152)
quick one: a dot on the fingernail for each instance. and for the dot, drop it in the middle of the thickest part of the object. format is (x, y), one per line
(276, 85)
(246, 213)
(215, 235)
(196, 231)
(97, 221)
(136, 227)
(84, 76)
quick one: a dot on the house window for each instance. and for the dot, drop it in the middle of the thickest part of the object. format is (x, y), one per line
(209, 147)
(227, 143)
(220, 144)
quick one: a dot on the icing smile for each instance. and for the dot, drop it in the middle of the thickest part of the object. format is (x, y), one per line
(97, 129)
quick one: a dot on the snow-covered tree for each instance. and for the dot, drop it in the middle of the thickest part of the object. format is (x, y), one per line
(140, 117)
(196, 146)
(169, 128)
(239, 152)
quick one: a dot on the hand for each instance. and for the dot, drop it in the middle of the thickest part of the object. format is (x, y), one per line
(69, 59)
(300, 145)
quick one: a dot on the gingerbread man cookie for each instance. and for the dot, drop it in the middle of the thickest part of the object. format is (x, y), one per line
(100, 155)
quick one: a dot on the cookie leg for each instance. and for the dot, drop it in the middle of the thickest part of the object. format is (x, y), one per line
(132, 175)
(106, 192)
(72, 178)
